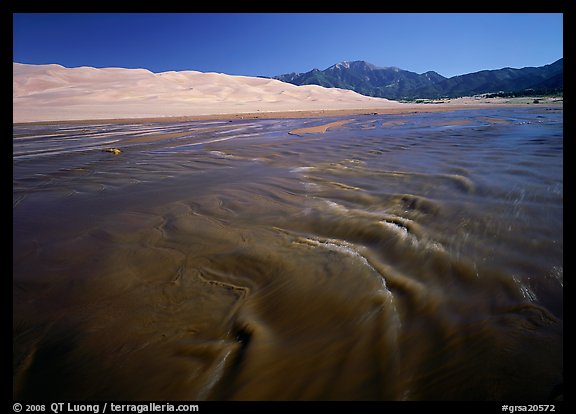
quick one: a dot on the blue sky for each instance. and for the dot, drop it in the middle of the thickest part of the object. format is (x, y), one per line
(272, 44)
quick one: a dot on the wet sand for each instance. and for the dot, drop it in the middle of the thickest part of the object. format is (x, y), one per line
(319, 129)
(399, 256)
(404, 109)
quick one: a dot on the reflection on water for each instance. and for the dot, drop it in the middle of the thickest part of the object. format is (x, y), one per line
(397, 257)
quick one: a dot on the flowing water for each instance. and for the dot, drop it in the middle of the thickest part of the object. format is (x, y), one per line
(396, 257)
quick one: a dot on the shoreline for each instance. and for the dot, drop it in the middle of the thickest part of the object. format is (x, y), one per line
(297, 114)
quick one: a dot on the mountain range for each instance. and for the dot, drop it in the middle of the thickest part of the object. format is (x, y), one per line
(395, 83)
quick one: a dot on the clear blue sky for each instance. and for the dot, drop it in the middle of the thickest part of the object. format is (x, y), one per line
(272, 44)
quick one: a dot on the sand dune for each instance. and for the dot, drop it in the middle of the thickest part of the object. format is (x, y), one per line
(55, 93)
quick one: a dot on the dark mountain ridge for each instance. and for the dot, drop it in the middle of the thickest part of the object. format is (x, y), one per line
(396, 83)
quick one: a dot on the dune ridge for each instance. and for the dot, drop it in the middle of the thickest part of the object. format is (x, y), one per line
(56, 93)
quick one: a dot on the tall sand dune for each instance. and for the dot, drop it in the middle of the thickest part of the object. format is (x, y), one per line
(55, 93)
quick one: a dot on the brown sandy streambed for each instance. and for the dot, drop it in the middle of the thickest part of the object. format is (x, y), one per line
(412, 257)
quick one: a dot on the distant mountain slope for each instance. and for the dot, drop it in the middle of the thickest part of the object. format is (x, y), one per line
(365, 78)
(489, 81)
(395, 83)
